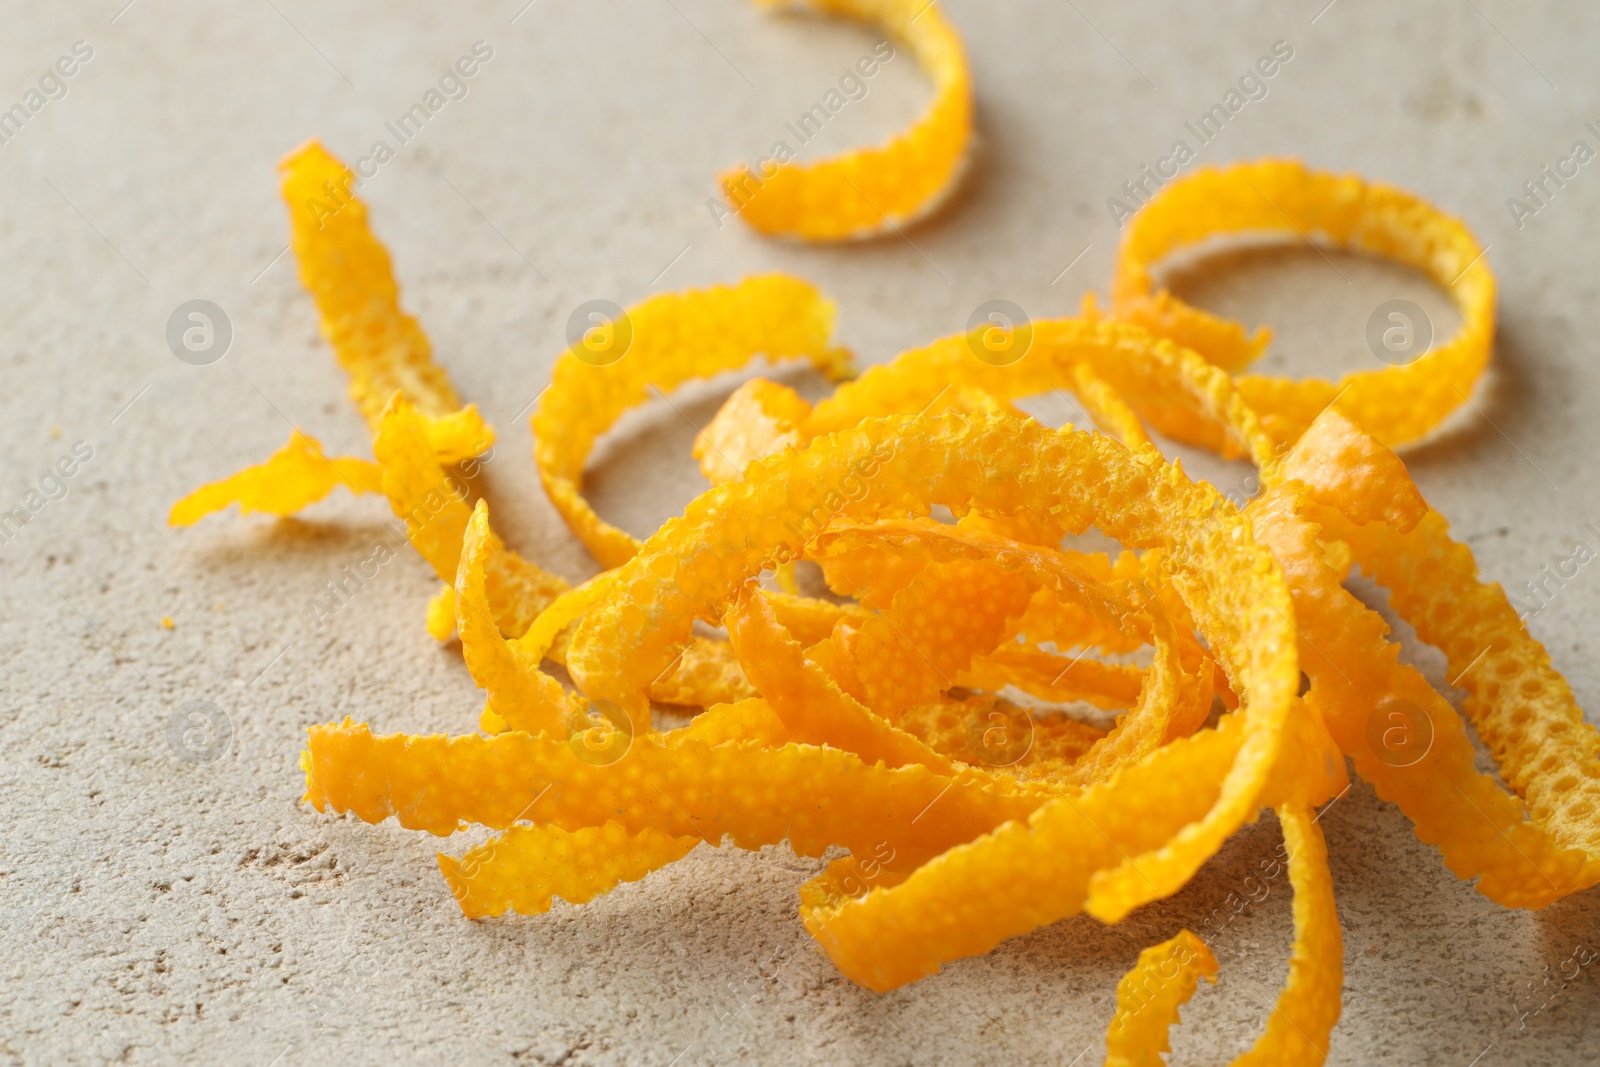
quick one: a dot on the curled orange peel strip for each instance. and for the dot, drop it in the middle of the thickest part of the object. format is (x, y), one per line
(673, 338)
(1304, 1016)
(1106, 407)
(874, 190)
(519, 692)
(1149, 996)
(1523, 710)
(1396, 404)
(1176, 390)
(1356, 674)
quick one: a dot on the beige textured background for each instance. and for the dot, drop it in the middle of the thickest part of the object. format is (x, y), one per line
(154, 911)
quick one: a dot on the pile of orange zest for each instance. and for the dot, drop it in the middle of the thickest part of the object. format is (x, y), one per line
(895, 721)
(695, 566)
(873, 190)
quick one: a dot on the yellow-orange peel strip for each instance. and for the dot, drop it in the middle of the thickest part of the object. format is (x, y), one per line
(518, 690)
(654, 347)
(680, 785)
(1397, 404)
(348, 272)
(1401, 734)
(432, 502)
(1523, 709)
(1149, 996)
(524, 868)
(297, 475)
(873, 190)
(1307, 1009)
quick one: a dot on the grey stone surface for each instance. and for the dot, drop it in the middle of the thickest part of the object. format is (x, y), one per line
(156, 910)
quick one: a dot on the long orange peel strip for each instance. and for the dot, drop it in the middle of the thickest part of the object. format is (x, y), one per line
(383, 349)
(348, 272)
(873, 190)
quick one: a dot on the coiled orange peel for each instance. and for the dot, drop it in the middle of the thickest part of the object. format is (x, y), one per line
(1396, 404)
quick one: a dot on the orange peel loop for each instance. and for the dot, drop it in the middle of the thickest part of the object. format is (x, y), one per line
(1397, 404)
(873, 190)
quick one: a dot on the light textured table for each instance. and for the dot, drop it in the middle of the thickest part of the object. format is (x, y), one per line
(157, 911)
